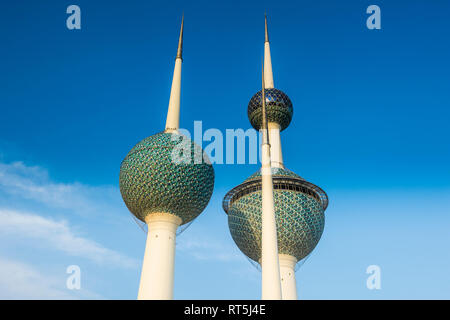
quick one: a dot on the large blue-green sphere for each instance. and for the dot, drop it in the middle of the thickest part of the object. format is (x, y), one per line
(278, 107)
(299, 213)
(166, 173)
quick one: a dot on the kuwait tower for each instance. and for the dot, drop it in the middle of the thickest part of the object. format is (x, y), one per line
(165, 185)
(298, 205)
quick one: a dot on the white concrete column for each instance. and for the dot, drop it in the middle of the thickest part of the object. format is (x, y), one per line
(270, 269)
(268, 74)
(159, 258)
(173, 114)
(287, 271)
(275, 145)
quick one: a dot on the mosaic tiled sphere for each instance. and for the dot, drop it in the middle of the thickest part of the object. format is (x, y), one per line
(276, 172)
(278, 106)
(169, 173)
(300, 220)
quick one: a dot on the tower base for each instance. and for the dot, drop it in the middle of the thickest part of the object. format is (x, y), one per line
(287, 273)
(159, 257)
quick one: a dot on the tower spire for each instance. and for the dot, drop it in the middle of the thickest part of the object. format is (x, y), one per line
(267, 32)
(268, 75)
(173, 113)
(180, 41)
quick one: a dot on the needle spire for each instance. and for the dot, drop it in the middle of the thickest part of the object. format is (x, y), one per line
(180, 41)
(268, 75)
(173, 113)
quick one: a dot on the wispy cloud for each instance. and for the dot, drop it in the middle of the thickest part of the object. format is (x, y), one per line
(38, 213)
(33, 183)
(54, 217)
(59, 235)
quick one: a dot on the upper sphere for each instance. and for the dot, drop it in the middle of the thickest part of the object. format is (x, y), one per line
(278, 107)
(153, 180)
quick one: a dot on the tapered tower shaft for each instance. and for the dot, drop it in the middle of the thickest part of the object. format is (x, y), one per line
(276, 156)
(274, 128)
(270, 269)
(268, 74)
(173, 113)
(286, 262)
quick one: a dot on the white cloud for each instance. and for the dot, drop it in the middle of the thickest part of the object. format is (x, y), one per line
(21, 281)
(59, 235)
(40, 213)
(33, 183)
(31, 207)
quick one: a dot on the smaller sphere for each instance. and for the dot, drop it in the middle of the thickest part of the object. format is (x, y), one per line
(278, 107)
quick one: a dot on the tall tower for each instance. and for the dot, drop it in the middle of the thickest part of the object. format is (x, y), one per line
(299, 205)
(163, 185)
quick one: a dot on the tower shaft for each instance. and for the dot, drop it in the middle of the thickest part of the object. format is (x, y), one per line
(274, 128)
(159, 259)
(268, 66)
(276, 155)
(287, 272)
(270, 269)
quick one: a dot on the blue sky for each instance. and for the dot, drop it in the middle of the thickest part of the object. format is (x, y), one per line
(370, 126)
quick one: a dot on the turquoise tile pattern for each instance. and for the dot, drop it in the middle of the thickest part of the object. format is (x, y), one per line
(278, 105)
(282, 172)
(300, 220)
(152, 181)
